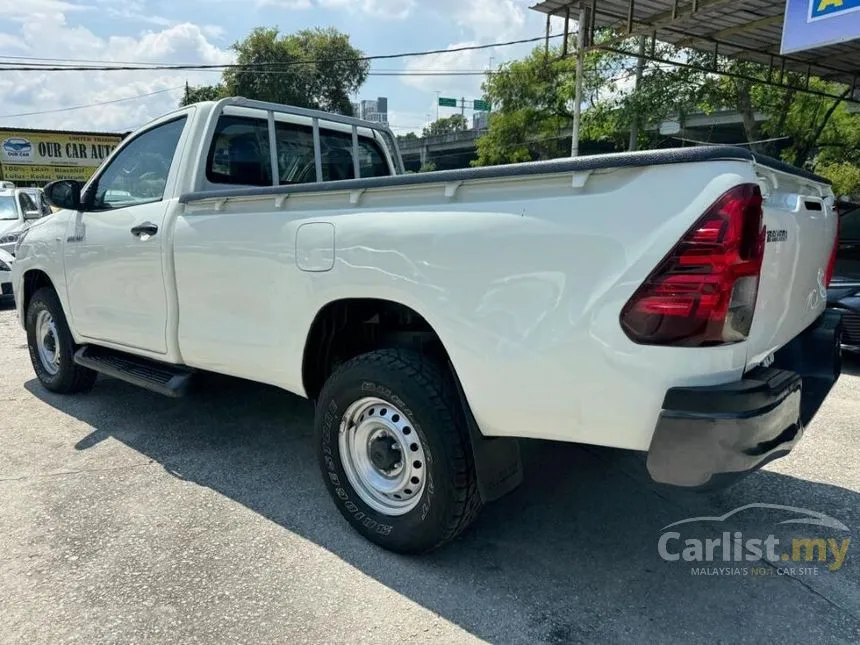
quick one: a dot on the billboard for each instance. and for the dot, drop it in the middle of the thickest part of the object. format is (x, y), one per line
(815, 23)
(44, 155)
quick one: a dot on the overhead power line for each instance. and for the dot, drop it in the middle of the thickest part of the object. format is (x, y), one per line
(68, 67)
(89, 105)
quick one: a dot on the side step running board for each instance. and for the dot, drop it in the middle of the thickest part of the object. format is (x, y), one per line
(169, 380)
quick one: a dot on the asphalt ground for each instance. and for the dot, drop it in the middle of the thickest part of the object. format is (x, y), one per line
(126, 517)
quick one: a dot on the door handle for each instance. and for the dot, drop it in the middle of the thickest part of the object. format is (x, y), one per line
(147, 228)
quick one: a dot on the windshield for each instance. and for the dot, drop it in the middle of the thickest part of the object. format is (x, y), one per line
(7, 208)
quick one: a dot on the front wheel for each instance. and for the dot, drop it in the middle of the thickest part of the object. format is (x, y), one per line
(394, 451)
(52, 349)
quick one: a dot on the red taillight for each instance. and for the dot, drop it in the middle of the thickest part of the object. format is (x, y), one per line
(704, 291)
(831, 263)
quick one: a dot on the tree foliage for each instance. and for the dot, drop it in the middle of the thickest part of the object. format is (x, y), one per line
(312, 68)
(535, 95)
(845, 177)
(199, 93)
(446, 125)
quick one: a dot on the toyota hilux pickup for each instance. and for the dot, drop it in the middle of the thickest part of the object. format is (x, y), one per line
(670, 302)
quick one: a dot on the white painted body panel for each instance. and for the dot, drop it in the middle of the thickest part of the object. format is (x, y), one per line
(523, 278)
(105, 259)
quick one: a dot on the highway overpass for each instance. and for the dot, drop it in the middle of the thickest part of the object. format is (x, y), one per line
(458, 149)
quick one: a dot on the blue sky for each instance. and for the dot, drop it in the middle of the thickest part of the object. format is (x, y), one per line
(201, 31)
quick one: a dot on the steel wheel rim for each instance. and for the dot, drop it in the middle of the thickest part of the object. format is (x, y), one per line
(47, 342)
(373, 434)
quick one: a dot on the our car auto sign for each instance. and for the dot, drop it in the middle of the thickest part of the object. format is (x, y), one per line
(817, 23)
(44, 155)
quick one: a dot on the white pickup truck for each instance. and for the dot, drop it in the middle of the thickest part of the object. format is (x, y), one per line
(670, 302)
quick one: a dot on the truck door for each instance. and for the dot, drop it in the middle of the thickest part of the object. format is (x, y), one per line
(116, 246)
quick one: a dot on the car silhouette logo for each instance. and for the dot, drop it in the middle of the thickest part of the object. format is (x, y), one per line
(17, 147)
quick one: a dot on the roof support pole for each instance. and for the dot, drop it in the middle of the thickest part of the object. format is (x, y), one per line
(592, 22)
(566, 32)
(546, 41)
(630, 8)
(577, 98)
(640, 69)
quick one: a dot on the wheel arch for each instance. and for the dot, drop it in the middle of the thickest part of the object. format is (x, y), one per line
(33, 280)
(346, 327)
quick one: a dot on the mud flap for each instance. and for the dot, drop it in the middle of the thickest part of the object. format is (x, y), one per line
(815, 355)
(498, 464)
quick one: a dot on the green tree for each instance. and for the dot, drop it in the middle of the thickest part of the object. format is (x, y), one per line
(199, 93)
(427, 166)
(535, 99)
(446, 125)
(409, 136)
(313, 68)
(796, 122)
(845, 177)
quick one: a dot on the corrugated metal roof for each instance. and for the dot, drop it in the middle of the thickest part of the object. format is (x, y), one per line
(743, 29)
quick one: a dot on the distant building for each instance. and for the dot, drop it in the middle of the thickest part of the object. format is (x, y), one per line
(480, 120)
(376, 111)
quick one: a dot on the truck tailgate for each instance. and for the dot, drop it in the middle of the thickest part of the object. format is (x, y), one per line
(801, 224)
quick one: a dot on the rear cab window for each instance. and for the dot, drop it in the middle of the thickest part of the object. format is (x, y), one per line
(239, 154)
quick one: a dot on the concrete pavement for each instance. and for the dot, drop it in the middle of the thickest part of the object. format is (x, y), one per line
(128, 517)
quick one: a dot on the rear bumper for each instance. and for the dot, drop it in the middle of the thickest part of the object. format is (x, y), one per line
(709, 436)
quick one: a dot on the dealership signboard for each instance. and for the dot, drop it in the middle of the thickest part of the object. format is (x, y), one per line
(44, 155)
(817, 23)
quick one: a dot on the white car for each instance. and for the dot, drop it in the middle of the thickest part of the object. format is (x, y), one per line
(668, 301)
(19, 207)
(6, 260)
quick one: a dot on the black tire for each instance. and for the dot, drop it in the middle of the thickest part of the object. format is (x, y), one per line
(425, 394)
(70, 377)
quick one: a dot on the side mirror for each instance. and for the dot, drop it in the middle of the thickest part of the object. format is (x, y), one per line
(32, 214)
(65, 193)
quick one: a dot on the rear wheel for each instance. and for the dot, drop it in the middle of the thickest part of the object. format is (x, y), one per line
(395, 452)
(52, 349)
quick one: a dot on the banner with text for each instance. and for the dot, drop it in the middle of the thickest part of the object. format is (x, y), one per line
(47, 156)
(817, 23)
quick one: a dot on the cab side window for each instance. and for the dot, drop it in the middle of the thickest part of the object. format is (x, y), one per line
(296, 161)
(138, 174)
(296, 155)
(239, 153)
